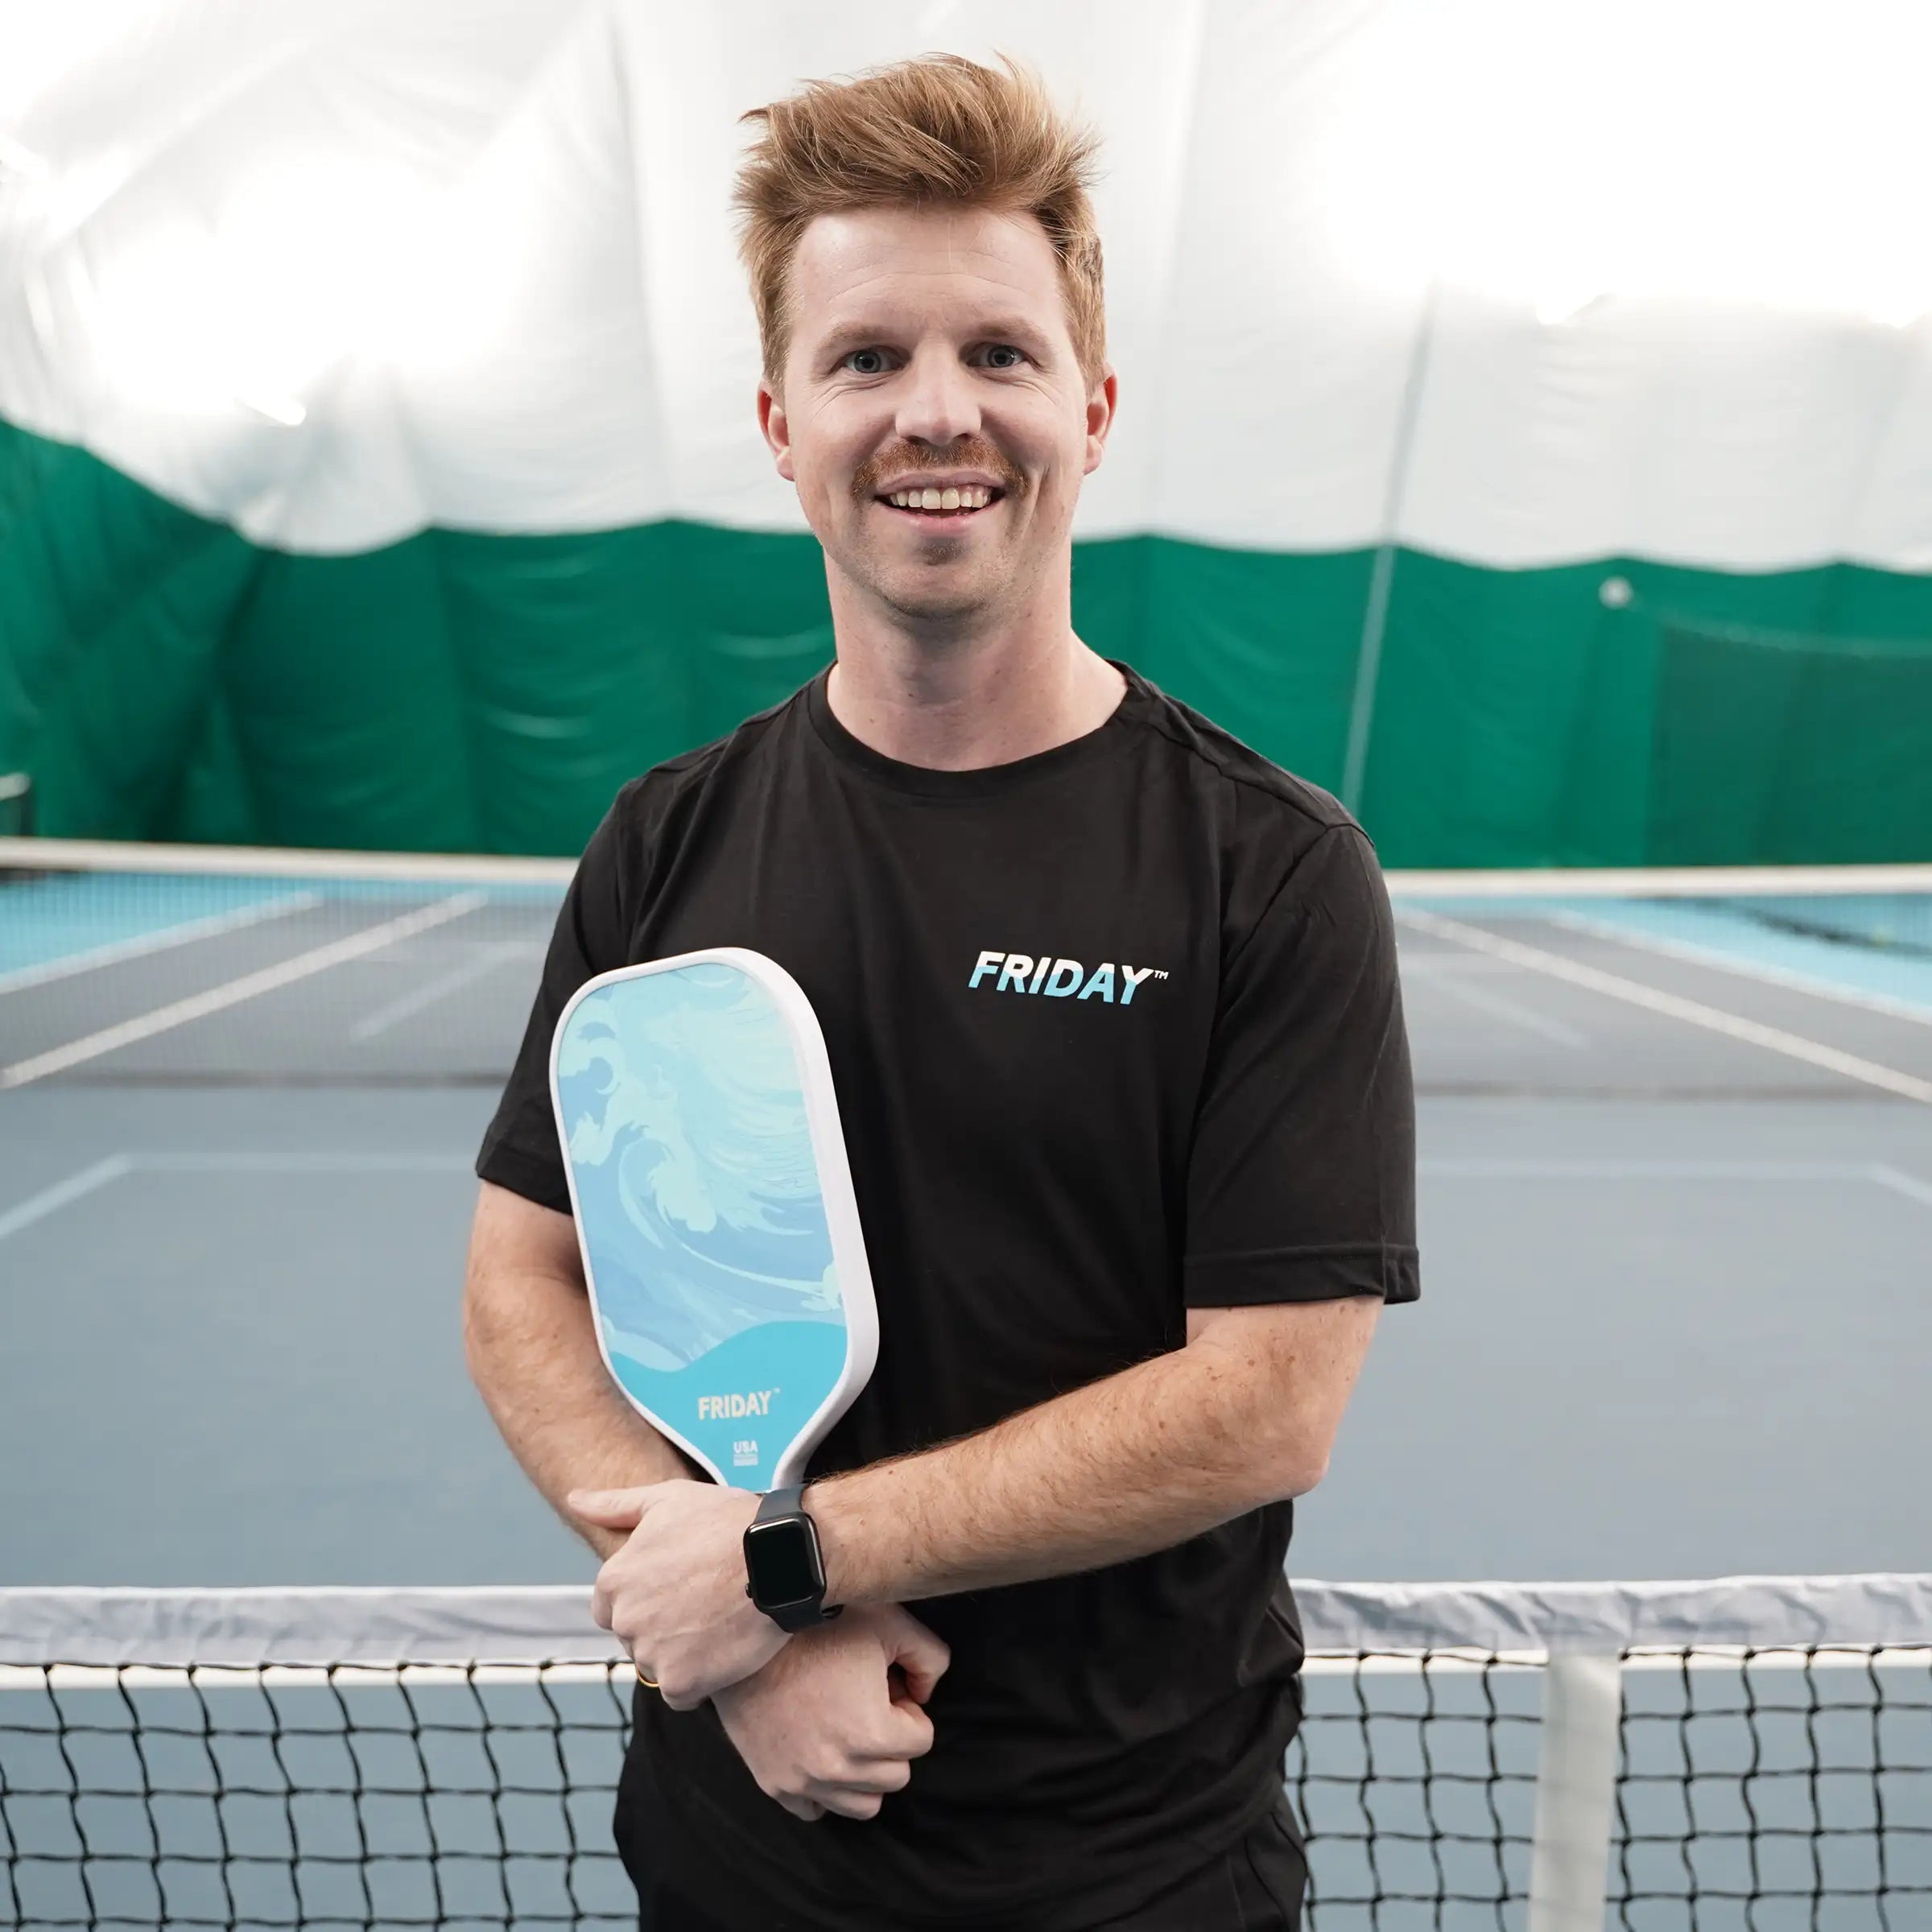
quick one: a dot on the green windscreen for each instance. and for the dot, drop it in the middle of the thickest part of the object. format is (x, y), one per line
(162, 677)
(1804, 749)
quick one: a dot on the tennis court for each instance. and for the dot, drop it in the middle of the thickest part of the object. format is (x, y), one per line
(1522, 433)
(1677, 1193)
(1691, 1133)
(1676, 1173)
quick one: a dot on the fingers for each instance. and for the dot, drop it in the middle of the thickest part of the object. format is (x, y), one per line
(905, 1732)
(853, 1804)
(878, 1779)
(921, 1656)
(858, 1790)
(844, 1782)
(612, 1508)
(604, 1599)
(863, 1790)
(817, 1733)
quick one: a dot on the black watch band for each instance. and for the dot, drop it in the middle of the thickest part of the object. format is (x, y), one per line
(784, 1569)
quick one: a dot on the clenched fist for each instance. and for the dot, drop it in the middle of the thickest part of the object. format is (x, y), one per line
(674, 1594)
(833, 1722)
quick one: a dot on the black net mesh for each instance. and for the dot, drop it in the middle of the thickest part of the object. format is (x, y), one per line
(456, 1796)
(1773, 1787)
(16, 805)
(1767, 1791)
(1773, 747)
(1758, 1788)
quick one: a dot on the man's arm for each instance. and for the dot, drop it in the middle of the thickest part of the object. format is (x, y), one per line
(819, 1726)
(534, 1357)
(1245, 1414)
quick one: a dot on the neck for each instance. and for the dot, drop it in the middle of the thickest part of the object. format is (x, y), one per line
(962, 695)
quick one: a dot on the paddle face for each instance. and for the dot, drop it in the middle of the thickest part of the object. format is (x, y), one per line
(714, 1207)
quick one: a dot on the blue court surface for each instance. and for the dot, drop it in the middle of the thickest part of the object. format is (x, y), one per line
(1676, 1210)
(66, 923)
(1676, 1205)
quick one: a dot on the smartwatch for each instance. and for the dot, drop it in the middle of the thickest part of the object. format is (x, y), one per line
(784, 1569)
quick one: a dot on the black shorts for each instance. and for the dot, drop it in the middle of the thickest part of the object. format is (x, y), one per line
(1257, 1887)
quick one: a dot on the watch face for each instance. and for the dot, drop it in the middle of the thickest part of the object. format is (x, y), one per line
(782, 1560)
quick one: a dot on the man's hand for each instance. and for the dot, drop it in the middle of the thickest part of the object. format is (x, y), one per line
(674, 1594)
(826, 1726)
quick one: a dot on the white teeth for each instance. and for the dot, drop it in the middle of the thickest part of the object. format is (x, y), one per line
(968, 495)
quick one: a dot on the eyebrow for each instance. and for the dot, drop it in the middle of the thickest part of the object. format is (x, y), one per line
(863, 334)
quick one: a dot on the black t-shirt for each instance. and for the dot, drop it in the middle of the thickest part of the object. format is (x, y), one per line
(1116, 1031)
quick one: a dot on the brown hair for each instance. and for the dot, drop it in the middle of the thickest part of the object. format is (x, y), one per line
(942, 130)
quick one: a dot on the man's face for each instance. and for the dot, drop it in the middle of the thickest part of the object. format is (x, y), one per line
(933, 415)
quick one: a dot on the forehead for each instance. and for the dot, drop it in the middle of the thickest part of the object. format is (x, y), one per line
(909, 262)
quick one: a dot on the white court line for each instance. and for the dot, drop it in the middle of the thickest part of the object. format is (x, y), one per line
(1634, 992)
(253, 1162)
(1485, 1001)
(49, 1200)
(1772, 976)
(144, 943)
(1912, 1188)
(250, 986)
(1453, 965)
(118, 1166)
(485, 960)
(1645, 881)
(1478, 1168)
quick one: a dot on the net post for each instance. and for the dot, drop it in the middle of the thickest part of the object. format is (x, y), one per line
(1576, 1790)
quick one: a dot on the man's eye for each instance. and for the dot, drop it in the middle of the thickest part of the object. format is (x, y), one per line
(876, 362)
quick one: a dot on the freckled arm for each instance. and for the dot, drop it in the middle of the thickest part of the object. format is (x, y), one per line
(1246, 1414)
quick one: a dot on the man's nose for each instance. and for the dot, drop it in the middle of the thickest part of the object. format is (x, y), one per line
(936, 401)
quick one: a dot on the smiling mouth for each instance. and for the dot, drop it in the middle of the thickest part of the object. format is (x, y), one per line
(939, 517)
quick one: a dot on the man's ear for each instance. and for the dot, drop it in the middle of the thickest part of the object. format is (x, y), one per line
(1103, 401)
(777, 432)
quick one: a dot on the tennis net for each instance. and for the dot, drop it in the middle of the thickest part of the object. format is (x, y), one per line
(130, 964)
(16, 805)
(138, 965)
(1755, 1754)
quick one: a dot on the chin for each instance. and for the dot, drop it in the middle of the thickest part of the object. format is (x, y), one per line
(935, 593)
(934, 603)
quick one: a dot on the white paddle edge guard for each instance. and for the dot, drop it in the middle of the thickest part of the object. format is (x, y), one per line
(835, 1178)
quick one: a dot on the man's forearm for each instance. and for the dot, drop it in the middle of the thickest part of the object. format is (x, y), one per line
(534, 1357)
(1136, 1462)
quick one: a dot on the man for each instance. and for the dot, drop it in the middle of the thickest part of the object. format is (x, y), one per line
(1111, 1005)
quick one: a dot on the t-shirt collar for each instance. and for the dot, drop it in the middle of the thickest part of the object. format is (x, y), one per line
(983, 781)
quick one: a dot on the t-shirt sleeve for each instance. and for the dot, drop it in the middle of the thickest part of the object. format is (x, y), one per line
(520, 1150)
(1301, 1184)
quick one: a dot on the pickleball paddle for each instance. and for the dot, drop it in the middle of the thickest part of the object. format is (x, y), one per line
(714, 1207)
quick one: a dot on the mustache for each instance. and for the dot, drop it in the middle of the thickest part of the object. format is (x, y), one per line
(969, 452)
